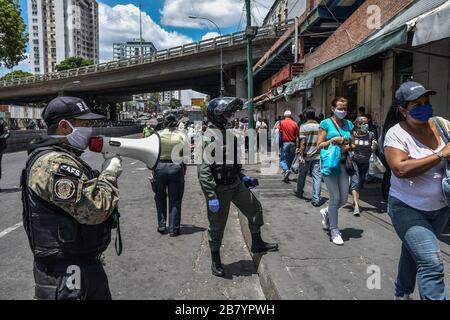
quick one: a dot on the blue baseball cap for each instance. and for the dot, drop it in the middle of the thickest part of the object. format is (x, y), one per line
(410, 91)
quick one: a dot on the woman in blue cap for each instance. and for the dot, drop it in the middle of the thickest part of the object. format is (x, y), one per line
(416, 154)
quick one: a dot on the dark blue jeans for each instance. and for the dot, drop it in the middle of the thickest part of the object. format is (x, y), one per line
(420, 256)
(169, 180)
(312, 167)
(288, 152)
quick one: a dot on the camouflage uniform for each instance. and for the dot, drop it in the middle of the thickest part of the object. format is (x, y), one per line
(69, 211)
(93, 200)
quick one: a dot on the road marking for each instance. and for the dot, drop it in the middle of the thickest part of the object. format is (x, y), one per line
(8, 230)
(133, 163)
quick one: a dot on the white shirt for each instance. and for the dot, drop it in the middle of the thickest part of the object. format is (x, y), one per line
(425, 191)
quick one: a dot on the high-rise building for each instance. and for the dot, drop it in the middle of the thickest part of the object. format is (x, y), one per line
(60, 29)
(132, 49)
(166, 96)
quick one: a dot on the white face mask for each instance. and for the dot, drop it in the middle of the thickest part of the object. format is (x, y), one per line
(79, 137)
(340, 113)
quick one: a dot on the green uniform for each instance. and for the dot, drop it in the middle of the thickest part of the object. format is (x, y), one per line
(148, 131)
(231, 190)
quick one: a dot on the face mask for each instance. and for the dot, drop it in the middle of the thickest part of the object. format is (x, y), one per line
(422, 113)
(364, 128)
(79, 137)
(340, 114)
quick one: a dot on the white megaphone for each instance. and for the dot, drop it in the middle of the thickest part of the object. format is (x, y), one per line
(146, 150)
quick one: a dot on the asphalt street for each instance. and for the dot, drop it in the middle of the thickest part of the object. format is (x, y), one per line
(152, 266)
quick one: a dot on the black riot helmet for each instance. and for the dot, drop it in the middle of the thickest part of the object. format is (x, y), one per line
(170, 120)
(220, 110)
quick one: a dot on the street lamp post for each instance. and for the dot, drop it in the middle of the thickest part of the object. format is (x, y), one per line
(61, 92)
(222, 88)
(140, 26)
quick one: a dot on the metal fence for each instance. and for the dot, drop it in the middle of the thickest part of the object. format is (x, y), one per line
(184, 50)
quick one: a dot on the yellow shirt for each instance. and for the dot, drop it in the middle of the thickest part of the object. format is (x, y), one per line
(169, 139)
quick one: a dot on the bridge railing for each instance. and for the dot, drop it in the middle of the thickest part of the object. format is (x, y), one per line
(186, 49)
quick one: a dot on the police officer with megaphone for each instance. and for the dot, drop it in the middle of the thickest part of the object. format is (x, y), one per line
(69, 209)
(223, 183)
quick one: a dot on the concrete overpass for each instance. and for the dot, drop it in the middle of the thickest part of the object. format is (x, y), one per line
(192, 66)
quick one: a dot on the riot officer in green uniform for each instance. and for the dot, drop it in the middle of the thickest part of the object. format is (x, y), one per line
(223, 183)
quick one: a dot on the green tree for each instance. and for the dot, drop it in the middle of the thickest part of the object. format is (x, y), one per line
(16, 74)
(13, 38)
(175, 103)
(72, 63)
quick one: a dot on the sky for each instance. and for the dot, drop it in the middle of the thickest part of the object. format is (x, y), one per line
(165, 22)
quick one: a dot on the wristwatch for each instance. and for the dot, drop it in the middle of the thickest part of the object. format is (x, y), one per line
(440, 155)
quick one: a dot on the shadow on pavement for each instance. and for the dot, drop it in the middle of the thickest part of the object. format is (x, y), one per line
(350, 233)
(445, 236)
(243, 268)
(190, 229)
(371, 194)
(10, 190)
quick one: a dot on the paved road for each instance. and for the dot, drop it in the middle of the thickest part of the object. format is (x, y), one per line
(152, 266)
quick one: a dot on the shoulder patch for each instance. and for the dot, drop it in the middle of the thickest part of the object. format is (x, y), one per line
(65, 189)
(67, 169)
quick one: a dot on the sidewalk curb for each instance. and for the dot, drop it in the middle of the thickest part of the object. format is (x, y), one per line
(270, 289)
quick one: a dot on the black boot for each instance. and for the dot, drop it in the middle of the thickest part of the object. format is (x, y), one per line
(258, 245)
(216, 266)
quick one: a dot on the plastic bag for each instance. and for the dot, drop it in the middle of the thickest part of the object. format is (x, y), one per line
(376, 167)
(295, 164)
(330, 160)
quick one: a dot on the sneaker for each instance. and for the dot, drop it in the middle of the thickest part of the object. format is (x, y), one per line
(286, 175)
(336, 237)
(298, 194)
(316, 204)
(325, 221)
(162, 230)
(356, 212)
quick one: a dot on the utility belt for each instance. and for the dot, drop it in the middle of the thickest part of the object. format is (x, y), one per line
(225, 174)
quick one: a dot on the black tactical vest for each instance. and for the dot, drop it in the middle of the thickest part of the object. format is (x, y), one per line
(227, 173)
(53, 233)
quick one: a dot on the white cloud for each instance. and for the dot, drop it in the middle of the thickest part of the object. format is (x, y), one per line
(121, 23)
(225, 13)
(210, 35)
(23, 65)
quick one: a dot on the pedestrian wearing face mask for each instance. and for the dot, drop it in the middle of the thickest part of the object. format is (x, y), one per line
(339, 131)
(416, 153)
(69, 209)
(365, 142)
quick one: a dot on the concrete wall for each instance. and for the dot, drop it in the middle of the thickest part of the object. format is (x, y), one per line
(19, 140)
(434, 73)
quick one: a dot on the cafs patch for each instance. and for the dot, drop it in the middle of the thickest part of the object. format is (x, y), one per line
(65, 189)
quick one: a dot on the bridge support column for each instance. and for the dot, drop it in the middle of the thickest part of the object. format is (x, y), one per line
(241, 86)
